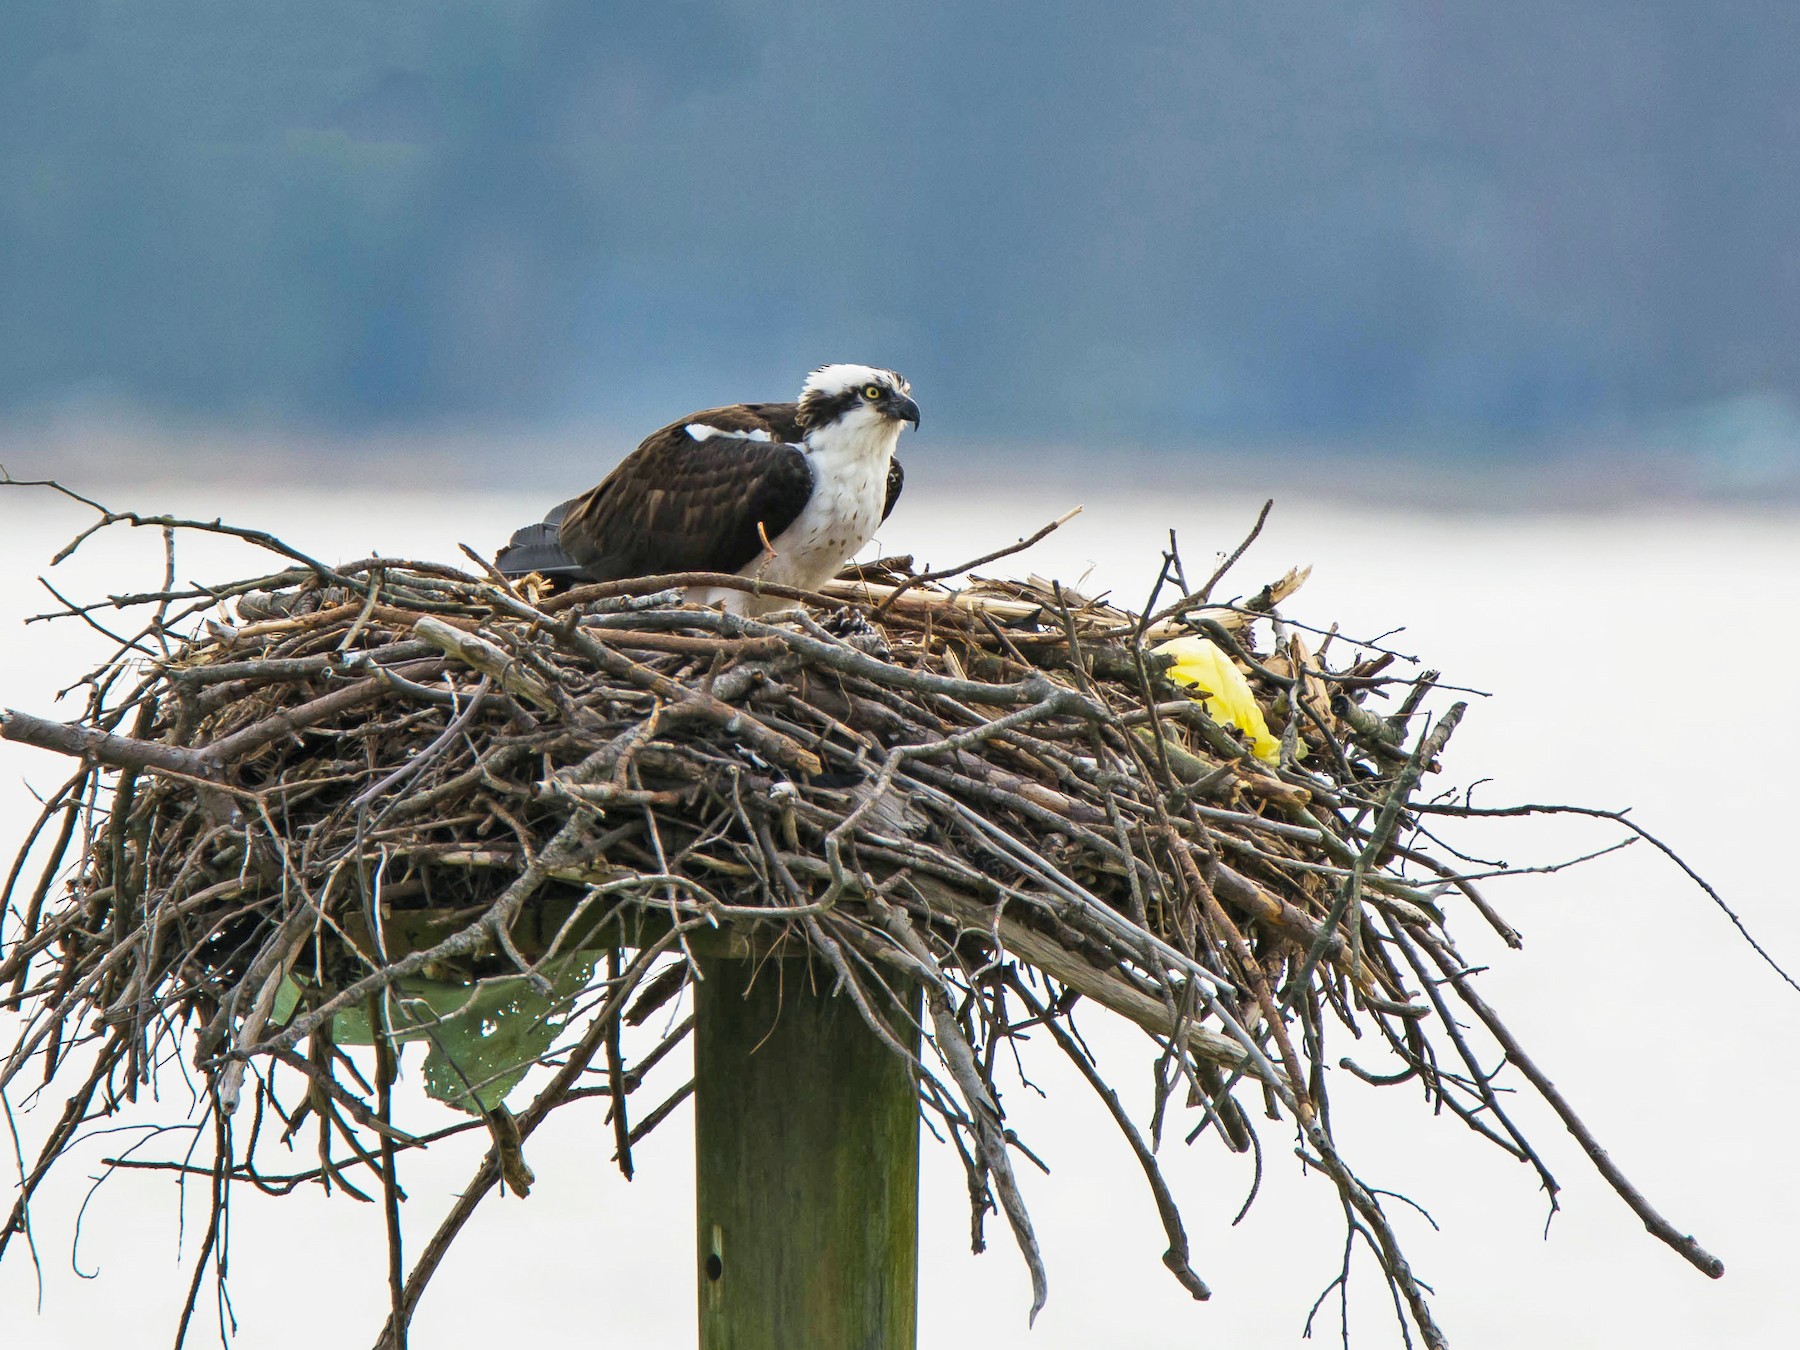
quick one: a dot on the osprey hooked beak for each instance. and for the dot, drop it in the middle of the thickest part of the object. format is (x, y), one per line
(901, 408)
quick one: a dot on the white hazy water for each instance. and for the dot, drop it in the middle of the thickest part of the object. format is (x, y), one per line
(1643, 660)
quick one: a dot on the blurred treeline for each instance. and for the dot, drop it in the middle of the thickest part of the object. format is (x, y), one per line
(1157, 221)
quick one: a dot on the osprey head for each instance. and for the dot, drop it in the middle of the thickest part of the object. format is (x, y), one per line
(856, 396)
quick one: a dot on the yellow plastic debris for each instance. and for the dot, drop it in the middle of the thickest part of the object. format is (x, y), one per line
(1202, 664)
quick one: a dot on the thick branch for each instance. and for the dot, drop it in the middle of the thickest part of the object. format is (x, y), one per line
(119, 752)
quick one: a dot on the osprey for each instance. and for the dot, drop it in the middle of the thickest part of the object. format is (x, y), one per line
(782, 492)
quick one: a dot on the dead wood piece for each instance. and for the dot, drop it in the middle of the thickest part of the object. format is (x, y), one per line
(117, 752)
(474, 650)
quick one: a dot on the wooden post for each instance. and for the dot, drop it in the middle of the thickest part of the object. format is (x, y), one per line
(807, 1162)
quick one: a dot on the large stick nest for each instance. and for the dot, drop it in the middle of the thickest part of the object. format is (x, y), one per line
(393, 801)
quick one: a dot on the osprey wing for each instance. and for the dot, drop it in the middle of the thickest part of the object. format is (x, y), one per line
(536, 548)
(896, 481)
(696, 496)
(780, 420)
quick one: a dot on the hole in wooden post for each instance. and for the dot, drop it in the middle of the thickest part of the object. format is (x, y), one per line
(714, 1265)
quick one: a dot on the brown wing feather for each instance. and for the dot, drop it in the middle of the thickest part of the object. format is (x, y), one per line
(680, 505)
(896, 481)
(780, 420)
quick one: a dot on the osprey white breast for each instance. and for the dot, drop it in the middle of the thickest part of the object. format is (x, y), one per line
(849, 455)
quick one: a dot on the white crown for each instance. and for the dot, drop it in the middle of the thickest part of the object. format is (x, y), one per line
(829, 380)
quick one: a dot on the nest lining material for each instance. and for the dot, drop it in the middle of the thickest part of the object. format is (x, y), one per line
(401, 796)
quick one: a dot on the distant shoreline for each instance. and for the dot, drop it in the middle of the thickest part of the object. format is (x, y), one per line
(1586, 477)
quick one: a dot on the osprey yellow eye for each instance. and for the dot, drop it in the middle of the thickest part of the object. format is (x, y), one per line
(871, 392)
